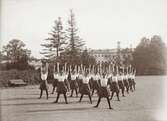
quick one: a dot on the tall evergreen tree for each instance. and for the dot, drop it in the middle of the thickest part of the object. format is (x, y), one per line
(75, 43)
(54, 45)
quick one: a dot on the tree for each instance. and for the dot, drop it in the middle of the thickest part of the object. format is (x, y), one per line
(87, 59)
(15, 50)
(149, 56)
(157, 55)
(127, 56)
(55, 44)
(75, 44)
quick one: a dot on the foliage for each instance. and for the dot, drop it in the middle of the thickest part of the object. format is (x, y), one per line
(54, 45)
(75, 44)
(16, 55)
(149, 56)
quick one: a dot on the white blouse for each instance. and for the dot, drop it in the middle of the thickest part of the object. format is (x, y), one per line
(73, 77)
(44, 76)
(80, 76)
(86, 80)
(61, 78)
(55, 76)
(119, 78)
(104, 82)
(114, 79)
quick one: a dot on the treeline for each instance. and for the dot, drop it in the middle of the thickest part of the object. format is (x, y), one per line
(15, 55)
(149, 57)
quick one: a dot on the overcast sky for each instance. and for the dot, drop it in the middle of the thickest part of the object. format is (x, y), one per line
(101, 23)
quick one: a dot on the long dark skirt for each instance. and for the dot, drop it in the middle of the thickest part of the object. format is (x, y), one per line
(126, 84)
(85, 89)
(130, 82)
(61, 88)
(91, 83)
(43, 85)
(73, 84)
(80, 83)
(54, 83)
(95, 84)
(114, 87)
(103, 92)
(120, 84)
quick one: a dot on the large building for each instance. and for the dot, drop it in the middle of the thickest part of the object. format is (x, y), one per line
(110, 55)
(103, 55)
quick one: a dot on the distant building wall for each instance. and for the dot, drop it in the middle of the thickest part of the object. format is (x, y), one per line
(108, 55)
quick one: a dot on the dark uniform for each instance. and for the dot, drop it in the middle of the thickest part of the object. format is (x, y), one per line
(61, 88)
(114, 87)
(121, 85)
(73, 84)
(85, 88)
(126, 84)
(44, 83)
(95, 84)
(130, 82)
(55, 81)
(103, 91)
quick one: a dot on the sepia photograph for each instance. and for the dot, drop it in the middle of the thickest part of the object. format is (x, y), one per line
(83, 60)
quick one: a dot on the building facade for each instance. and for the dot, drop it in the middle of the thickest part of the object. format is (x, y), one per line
(112, 55)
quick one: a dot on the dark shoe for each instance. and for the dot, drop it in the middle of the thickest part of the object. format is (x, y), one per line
(95, 106)
(110, 108)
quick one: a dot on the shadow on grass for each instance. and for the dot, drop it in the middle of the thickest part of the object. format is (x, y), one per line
(62, 109)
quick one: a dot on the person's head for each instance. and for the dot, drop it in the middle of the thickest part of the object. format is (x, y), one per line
(80, 72)
(86, 74)
(103, 75)
(43, 61)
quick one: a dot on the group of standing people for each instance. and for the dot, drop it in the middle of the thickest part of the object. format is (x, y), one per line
(85, 81)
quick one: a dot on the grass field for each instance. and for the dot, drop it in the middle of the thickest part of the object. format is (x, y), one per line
(22, 104)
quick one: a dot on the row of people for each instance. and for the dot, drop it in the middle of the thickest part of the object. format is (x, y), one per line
(86, 83)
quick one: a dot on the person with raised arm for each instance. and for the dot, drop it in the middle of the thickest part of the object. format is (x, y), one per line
(73, 83)
(55, 77)
(61, 86)
(44, 75)
(114, 85)
(103, 91)
(85, 88)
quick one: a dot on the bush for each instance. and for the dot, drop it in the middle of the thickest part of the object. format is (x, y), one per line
(28, 76)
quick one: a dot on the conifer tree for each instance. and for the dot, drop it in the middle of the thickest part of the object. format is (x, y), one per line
(55, 44)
